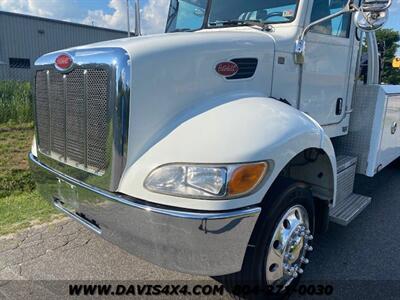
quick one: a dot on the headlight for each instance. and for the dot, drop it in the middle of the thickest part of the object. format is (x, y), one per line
(206, 181)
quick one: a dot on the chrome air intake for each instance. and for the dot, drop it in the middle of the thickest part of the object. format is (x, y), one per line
(82, 114)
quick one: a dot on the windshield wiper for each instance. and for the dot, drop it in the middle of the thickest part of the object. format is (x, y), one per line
(259, 23)
(182, 30)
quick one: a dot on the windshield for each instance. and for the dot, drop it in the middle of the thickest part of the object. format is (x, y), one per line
(187, 15)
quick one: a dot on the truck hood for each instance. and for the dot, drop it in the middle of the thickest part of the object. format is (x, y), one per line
(174, 78)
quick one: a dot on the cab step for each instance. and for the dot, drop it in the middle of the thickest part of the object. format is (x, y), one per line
(348, 209)
(348, 205)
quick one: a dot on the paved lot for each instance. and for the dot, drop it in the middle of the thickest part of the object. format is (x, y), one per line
(361, 259)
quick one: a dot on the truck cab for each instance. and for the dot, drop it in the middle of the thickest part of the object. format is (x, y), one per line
(223, 146)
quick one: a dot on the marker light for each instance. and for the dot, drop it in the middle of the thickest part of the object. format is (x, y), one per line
(206, 181)
(245, 178)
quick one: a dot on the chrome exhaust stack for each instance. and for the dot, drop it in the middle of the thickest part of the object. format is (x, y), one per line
(138, 31)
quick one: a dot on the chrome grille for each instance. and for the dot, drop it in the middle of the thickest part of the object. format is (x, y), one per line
(97, 119)
(76, 115)
(73, 117)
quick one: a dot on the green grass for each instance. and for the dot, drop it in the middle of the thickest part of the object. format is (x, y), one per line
(15, 142)
(22, 210)
(20, 204)
(15, 102)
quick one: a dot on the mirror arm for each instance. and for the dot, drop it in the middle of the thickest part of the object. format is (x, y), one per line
(311, 25)
(301, 43)
(373, 59)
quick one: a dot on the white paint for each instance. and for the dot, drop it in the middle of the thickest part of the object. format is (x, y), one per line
(325, 77)
(182, 111)
(242, 130)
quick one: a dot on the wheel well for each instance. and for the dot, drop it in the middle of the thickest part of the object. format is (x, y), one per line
(313, 168)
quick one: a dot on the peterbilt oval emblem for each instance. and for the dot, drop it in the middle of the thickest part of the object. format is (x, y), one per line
(63, 62)
(227, 69)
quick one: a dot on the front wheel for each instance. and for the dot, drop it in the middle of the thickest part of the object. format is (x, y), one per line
(279, 248)
(287, 252)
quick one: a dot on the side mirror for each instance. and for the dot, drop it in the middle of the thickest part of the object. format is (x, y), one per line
(372, 14)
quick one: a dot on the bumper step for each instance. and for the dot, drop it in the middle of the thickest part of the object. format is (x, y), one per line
(348, 209)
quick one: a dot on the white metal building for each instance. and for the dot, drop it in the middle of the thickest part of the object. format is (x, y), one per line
(24, 38)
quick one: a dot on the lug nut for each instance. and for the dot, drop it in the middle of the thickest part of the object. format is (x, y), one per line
(310, 248)
(309, 237)
(305, 260)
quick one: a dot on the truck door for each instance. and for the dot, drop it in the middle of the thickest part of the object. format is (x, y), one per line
(326, 71)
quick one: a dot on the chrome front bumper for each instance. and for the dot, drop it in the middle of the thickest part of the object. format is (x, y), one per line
(203, 243)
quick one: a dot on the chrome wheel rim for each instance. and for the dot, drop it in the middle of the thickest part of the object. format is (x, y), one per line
(287, 251)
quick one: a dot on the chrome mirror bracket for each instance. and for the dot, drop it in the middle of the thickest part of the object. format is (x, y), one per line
(299, 51)
(300, 46)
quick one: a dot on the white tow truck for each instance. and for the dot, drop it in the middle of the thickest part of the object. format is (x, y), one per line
(221, 147)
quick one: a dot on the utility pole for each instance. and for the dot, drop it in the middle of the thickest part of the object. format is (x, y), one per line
(128, 18)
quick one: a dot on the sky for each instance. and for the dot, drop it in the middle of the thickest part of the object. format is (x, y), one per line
(103, 13)
(112, 13)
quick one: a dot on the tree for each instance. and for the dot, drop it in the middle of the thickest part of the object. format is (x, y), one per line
(390, 38)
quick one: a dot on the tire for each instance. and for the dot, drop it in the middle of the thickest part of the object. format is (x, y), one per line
(285, 198)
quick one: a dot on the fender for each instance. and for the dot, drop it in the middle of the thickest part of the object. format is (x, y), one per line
(243, 130)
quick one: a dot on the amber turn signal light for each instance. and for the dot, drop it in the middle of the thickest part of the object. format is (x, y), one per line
(245, 178)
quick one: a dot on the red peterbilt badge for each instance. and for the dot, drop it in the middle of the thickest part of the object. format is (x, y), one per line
(63, 62)
(227, 69)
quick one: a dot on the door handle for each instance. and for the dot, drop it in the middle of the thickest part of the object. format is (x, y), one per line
(394, 128)
(339, 106)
